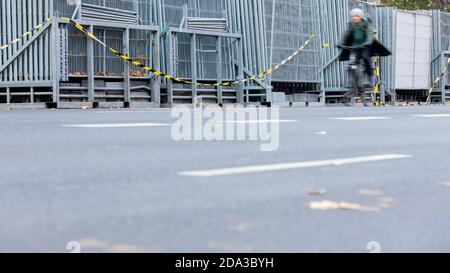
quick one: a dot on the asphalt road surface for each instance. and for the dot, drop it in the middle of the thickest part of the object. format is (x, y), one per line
(116, 181)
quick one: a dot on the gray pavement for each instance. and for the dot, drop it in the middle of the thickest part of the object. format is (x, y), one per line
(121, 189)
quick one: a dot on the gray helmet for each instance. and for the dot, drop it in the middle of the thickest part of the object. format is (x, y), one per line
(357, 12)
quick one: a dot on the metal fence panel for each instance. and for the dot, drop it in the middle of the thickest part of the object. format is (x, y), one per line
(247, 17)
(295, 21)
(20, 62)
(206, 46)
(334, 17)
(412, 51)
(386, 34)
(440, 42)
(440, 54)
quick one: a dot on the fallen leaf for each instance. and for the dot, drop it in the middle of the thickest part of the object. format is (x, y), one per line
(384, 205)
(371, 192)
(318, 192)
(387, 200)
(62, 227)
(92, 243)
(331, 205)
(115, 248)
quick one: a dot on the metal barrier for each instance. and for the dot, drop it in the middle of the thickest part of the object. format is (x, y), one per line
(25, 70)
(440, 93)
(288, 23)
(56, 63)
(334, 18)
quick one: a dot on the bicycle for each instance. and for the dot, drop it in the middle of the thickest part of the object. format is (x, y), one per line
(355, 69)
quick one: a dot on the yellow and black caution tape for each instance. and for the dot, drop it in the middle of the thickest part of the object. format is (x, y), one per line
(437, 80)
(137, 63)
(376, 73)
(376, 88)
(27, 33)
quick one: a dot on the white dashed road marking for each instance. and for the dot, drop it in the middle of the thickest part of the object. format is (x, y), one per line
(117, 125)
(290, 166)
(433, 116)
(360, 118)
(260, 121)
(133, 111)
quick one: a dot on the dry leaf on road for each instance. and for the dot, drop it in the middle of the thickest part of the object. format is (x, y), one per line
(331, 205)
(317, 192)
(371, 192)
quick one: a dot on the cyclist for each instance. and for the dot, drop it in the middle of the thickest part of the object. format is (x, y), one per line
(361, 35)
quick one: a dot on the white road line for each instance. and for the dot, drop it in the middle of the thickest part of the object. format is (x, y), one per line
(133, 112)
(433, 116)
(360, 118)
(290, 166)
(260, 121)
(117, 125)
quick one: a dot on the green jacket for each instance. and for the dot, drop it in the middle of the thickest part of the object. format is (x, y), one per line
(361, 34)
(365, 35)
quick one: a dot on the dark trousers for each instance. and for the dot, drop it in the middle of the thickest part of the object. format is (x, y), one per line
(364, 54)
